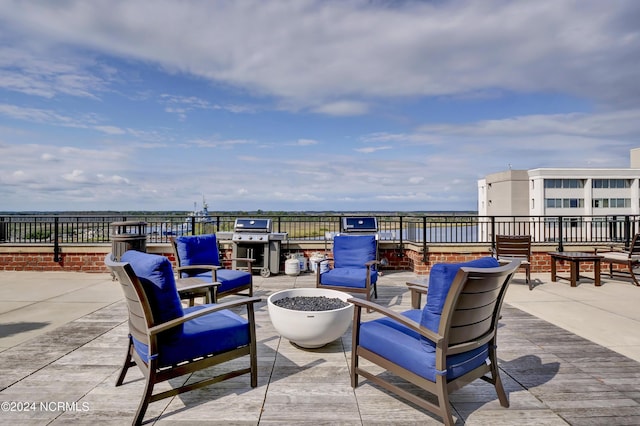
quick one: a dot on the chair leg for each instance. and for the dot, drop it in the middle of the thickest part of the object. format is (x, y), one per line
(495, 378)
(355, 341)
(128, 362)
(253, 349)
(633, 273)
(443, 401)
(146, 397)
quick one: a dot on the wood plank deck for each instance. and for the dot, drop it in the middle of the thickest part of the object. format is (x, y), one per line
(552, 376)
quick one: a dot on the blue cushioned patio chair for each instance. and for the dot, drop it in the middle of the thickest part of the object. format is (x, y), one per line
(355, 260)
(167, 341)
(444, 346)
(198, 256)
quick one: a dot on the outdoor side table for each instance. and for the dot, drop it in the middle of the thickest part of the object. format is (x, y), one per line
(574, 258)
(195, 287)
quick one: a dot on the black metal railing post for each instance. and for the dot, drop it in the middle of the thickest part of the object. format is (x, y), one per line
(56, 244)
(493, 233)
(560, 234)
(401, 253)
(424, 239)
(4, 231)
(627, 232)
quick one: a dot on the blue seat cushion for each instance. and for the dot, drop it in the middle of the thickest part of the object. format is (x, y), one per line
(353, 251)
(156, 276)
(209, 334)
(402, 346)
(229, 279)
(440, 280)
(348, 277)
(198, 250)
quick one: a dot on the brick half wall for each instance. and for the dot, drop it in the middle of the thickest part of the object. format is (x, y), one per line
(90, 258)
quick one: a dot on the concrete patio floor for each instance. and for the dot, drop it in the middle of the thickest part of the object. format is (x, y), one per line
(567, 356)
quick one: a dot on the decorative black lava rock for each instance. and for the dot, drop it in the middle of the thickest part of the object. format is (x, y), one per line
(310, 303)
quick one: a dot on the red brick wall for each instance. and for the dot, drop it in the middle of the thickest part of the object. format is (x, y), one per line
(80, 262)
(83, 259)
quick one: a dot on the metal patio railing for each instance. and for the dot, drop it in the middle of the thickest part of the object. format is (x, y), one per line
(415, 228)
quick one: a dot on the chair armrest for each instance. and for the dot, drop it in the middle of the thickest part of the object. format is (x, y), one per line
(611, 249)
(208, 310)
(417, 288)
(424, 331)
(198, 286)
(243, 259)
(416, 292)
(371, 263)
(195, 267)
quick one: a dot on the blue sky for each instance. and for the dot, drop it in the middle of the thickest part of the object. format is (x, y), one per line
(306, 105)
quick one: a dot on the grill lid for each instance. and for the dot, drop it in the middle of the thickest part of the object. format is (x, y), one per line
(359, 224)
(252, 225)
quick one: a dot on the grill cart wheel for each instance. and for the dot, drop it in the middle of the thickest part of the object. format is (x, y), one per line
(265, 272)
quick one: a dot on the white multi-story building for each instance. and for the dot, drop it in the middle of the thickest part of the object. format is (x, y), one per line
(563, 192)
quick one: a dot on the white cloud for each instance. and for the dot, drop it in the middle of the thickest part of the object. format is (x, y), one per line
(47, 73)
(370, 149)
(336, 77)
(305, 142)
(342, 108)
(76, 176)
(372, 49)
(214, 142)
(110, 130)
(48, 157)
(115, 179)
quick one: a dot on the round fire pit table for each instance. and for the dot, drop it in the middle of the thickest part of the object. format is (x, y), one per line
(310, 328)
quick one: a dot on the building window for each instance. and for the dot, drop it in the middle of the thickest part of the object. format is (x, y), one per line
(533, 203)
(618, 203)
(564, 183)
(564, 203)
(610, 183)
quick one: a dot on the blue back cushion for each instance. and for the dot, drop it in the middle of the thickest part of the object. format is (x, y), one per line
(440, 280)
(198, 250)
(353, 251)
(156, 276)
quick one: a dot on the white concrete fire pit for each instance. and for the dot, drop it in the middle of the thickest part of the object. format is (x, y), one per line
(310, 328)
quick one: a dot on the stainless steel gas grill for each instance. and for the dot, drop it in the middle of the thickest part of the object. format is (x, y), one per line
(252, 238)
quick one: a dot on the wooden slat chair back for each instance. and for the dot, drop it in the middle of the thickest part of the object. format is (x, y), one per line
(516, 247)
(630, 259)
(140, 314)
(148, 329)
(466, 336)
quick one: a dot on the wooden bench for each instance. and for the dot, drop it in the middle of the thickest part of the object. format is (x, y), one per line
(628, 258)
